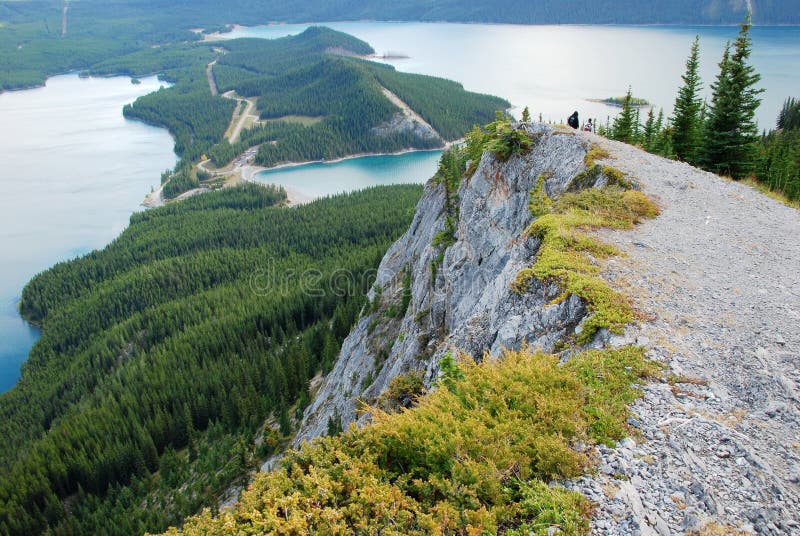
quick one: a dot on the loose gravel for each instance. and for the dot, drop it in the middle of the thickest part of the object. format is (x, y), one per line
(717, 280)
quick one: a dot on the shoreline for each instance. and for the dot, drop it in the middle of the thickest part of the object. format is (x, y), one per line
(248, 172)
(252, 169)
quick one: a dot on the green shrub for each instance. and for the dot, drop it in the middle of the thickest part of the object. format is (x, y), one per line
(469, 459)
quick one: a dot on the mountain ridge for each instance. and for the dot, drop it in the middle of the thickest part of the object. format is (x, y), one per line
(713, 295)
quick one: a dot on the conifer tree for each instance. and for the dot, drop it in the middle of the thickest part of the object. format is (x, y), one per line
(649, 132)
(623, 128)
(687, 137)
(284, 423)
(731, 132)
(789, 116)
(526, 115)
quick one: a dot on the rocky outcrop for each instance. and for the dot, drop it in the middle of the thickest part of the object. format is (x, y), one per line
(401, 123)
(715, 446)
(462, 301)
(406, 121)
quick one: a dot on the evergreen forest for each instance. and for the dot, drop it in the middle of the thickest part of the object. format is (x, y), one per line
(313, 77)
(177, 358)
(721, 135)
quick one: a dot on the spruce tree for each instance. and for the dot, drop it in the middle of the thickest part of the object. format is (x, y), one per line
(687, 137)
(623, 128)
(526, 115)
(649, 133)
(789, 116)
(731, 131)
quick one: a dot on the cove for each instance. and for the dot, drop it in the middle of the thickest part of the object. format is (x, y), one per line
(324, 179)
(73, 171)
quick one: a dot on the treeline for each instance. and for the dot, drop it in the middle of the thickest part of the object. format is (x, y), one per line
(192, 115)
(779, 166)
(189, 331)
(196, 119)
(330, 139)
(32, 47)
(720, 136)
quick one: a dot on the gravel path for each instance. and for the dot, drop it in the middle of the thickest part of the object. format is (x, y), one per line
(719, 273)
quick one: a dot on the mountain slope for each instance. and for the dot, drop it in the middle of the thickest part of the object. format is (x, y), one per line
(467, 303)
(173, 359)
(713, 279)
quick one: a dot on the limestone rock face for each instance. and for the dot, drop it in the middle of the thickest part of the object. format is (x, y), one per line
(463, 301)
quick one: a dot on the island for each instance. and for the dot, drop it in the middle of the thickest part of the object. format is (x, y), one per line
(618, 102)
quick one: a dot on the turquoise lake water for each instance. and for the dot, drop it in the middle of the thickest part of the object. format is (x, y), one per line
(74, 169)
(321, 179)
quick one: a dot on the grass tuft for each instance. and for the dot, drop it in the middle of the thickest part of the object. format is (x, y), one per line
(540, 203)
(568, 255)
(595, 153)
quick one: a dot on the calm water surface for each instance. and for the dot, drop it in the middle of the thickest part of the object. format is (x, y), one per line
(320, 179)
(73, 171)
(554, 69)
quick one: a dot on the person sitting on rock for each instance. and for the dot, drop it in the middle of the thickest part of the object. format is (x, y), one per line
(573, 120)
(588, 127)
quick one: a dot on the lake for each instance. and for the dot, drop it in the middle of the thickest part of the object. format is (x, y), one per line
(74, 169)
(321, 179)
(555, 69)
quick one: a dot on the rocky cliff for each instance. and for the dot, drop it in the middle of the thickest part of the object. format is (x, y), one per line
(462, 301)
(715, 447)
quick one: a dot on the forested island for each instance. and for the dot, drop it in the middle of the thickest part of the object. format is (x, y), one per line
(619, 102)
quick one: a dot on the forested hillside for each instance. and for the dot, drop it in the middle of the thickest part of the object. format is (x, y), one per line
(163, 355)
(317, 100)
(341, 96)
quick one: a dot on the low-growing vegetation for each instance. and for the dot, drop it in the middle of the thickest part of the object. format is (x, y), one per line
(474, 457)
(567, 254)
